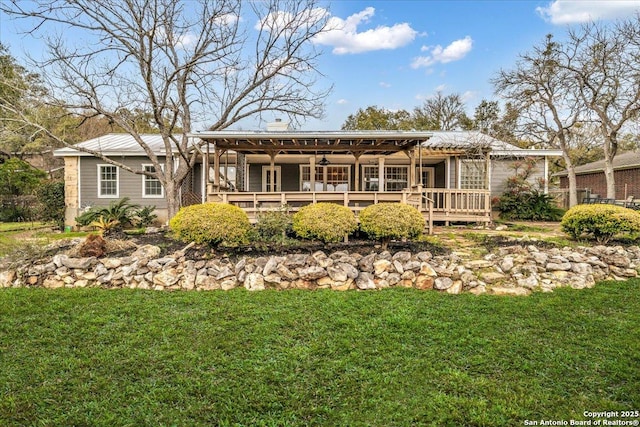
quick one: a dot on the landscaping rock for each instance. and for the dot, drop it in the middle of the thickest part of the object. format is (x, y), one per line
(442, 283)
(509, 291)
(254, 282)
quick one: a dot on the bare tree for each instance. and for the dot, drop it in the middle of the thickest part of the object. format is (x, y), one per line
(604, 67)
(442, 112)
(182, 61)
(537, 87)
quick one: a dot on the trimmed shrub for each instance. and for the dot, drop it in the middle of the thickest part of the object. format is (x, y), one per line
(386, 221)
(274, 225)
(600, 221)
(212, 223)
(327, 222)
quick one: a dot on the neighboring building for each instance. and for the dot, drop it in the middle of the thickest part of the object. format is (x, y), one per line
(590, 177)
(450, 176)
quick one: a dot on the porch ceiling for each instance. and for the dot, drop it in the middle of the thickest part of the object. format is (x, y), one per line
(355, 142)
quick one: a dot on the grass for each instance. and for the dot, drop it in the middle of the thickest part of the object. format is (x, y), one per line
(390, 358)
(15, 235)
(21, 226)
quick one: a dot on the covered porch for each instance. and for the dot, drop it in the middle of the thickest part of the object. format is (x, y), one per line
(258, 171)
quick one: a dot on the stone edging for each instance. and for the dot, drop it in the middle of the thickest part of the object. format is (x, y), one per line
(513, 270)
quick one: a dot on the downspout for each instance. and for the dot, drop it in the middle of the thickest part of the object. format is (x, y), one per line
(203, 187)
(546, 175)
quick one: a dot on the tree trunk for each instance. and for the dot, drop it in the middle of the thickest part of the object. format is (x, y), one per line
(609, 177)
(172, 196)
(573, 190)
(571, 173)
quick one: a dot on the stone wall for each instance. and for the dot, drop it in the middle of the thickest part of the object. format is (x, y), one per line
(512, 270)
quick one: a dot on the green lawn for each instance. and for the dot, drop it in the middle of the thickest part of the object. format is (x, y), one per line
(389, 358)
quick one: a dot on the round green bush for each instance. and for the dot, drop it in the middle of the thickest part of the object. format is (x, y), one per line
(386, 221)
(327, 222)
(212, 223)
(600, 221)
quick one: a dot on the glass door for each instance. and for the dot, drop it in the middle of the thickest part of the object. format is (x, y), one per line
(268, 183)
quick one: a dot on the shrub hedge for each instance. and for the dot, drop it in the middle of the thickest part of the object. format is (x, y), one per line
(386, 221)
(212, 223)
(274, 225)
(601, 221)
(327, 222)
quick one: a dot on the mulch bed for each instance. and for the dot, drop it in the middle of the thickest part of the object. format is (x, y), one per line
(196, 252)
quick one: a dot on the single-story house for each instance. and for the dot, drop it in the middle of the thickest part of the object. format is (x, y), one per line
(626, 172)
(450, 176)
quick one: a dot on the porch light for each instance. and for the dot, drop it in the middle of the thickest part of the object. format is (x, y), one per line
(324, 161)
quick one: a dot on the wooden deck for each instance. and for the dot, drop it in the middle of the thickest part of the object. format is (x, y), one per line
(436, 204)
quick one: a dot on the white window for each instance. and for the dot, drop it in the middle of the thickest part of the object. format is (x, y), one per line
(396, 178)
(370, 181)
(305, 178)
(228, 176)
(327, 178)
(151, 186)
(107, 181)
(472, 174)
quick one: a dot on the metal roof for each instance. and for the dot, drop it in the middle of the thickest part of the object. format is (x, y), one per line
(382, 142)
(291, 142)
(627, 160)
(116, 144)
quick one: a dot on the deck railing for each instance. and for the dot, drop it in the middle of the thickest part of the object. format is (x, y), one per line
(436, 204)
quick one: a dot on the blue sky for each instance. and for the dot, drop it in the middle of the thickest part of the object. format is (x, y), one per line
(396, 54)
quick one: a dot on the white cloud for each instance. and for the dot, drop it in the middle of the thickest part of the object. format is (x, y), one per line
(468, 96)
(437, 54)
(562, 12)
(343, 34)
(342, 101)
(441, 88)
(226, 19)
(181, 41)
(384, 84)
(282, 20)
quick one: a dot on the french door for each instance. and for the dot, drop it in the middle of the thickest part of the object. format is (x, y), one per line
(269, 183)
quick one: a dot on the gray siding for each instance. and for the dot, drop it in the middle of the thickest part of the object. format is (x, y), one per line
(501, 169)
(440, 175)
(129, 185)
(197, 178)
(290, 177)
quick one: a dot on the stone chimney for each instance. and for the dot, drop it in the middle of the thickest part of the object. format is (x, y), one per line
(278, 126)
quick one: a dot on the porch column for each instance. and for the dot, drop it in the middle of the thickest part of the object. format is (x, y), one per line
(357, 174)
(216, 168)
(381, 173)
(412, 167)
(488, 172)
(312, 172)
(272, 169)
(205, 173)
